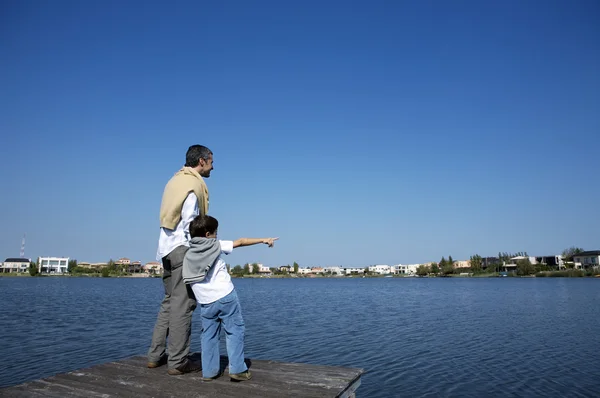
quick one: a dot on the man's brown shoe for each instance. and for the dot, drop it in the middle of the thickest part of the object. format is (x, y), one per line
(188, 367)
(162, 361)
(241, 376)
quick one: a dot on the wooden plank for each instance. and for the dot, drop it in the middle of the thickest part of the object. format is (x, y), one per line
(131, 378)
(47, 388)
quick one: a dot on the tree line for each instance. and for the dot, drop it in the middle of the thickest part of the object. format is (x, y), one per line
(254, 268)
(444, 267)
(479, 264)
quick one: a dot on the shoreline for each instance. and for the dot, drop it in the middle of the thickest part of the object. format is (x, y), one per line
(545, 274)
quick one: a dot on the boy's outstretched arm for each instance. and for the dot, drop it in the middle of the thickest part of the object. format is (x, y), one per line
(254, 241)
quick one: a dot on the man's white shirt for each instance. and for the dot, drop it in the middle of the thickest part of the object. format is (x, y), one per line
(169, 239)
(217, 282)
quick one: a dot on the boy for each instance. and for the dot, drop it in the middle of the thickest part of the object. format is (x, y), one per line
(206, 272)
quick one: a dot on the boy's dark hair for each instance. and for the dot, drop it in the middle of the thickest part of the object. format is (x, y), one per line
(203, 224)
(195, 153)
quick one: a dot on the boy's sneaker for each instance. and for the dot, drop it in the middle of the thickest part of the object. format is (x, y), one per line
(188, 367)
(212, 378)
(241, 376)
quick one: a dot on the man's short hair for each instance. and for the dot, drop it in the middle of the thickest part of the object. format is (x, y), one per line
(203, 224)
(195, 153)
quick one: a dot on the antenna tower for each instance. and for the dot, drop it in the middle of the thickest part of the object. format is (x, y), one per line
(23, 246)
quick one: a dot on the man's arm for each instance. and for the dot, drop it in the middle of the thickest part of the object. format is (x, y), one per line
(253, 241)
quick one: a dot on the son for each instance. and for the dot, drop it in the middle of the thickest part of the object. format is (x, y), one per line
(206, 272)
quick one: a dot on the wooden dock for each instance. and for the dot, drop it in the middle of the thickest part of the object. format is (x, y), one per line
(131, 378)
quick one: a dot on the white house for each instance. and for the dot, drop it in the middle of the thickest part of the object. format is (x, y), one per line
(153, 267)
(589, 259)
(53, 265)
(304, 271)
(251, 267)
(15, 265)
(531, 259)
(353, 270)
(264, 270)
(380, 269)
(554, 261)
(405, 269)
(333, 270)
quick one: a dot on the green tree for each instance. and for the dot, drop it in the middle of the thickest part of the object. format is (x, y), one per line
(295, 267)
(450, 260)
(246, 269)
(111, 266)
(255, 269)
(106, 272)
(422, 270)
(33, 269)
(570, 252)
(448, 268)
(80, 270)
(72, 265)
(435, 269)
(524, 267)
(442, 262)
(238, 271)
(541, 267)
(476, 263)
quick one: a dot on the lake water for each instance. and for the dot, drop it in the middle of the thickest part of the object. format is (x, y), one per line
(415, 337)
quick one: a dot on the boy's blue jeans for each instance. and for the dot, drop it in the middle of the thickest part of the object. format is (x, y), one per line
(224, 312)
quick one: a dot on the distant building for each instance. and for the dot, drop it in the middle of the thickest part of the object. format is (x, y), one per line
(588, 259)
(531, 259)
(335, 270)
(493, 262)
(264, 270)
(380, 269)
(123, 261)
(404, 269)
(53, 265)
(353, 270)
(134, 267)
(286, 268)
(16, 265)
(462, 264)
(555, 261)
(153, 268)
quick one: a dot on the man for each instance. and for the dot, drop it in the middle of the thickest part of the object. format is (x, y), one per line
(185, 197)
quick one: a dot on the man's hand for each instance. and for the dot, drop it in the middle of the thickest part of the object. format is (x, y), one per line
(269, 241)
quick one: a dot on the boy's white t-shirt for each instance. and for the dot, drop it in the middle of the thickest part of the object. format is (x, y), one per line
(217, 282)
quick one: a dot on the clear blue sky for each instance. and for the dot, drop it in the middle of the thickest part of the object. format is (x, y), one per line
(373, 132)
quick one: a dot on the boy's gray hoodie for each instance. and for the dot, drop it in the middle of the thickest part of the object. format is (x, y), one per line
(202, 254)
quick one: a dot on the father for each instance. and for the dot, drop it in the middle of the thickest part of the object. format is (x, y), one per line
(185, 196)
